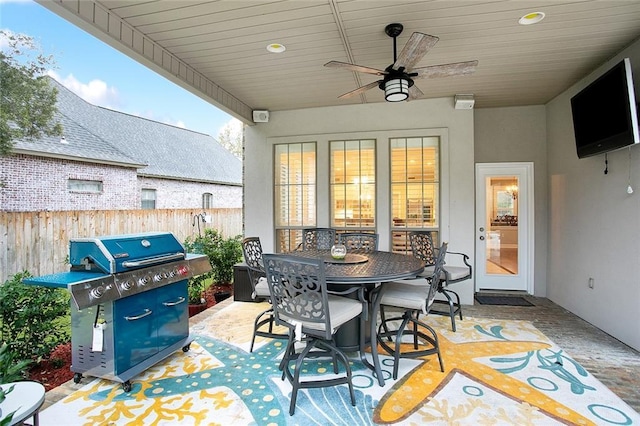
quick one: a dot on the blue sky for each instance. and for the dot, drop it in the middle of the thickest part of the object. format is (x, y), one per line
(103, 76)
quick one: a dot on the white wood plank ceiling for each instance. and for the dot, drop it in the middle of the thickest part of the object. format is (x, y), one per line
(217, 49)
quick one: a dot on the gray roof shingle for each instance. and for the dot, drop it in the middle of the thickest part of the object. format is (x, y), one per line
(99, 134)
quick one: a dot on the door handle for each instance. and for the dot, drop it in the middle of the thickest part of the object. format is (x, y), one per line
(146, 313)
(177, 302)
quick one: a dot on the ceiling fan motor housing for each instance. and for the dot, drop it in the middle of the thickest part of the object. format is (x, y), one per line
(392, 74)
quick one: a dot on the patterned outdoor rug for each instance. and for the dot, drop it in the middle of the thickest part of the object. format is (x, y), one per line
(496, 373)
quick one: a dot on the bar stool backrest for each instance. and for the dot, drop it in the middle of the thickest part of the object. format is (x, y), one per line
(422, 246)
(318, 238)
(359, 241)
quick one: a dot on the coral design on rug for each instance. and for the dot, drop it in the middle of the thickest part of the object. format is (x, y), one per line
(496, 372)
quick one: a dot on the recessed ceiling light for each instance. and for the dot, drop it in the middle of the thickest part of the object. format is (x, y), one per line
(531, 18)
(276, 48)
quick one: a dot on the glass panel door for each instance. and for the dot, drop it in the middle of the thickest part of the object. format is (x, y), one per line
(502, 225)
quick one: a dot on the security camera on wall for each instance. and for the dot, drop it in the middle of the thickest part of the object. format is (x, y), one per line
(260, 116)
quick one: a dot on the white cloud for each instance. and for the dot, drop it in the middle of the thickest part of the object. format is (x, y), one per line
(4, 38)
(25, 46)
(96, 92)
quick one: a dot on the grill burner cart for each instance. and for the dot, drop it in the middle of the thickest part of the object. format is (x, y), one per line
(129, 302)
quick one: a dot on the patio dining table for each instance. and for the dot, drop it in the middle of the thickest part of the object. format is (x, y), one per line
(364, 269)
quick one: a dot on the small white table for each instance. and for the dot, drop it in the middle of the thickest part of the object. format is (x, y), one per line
(25, 399)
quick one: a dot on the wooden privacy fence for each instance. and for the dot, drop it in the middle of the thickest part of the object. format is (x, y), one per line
(38, 242)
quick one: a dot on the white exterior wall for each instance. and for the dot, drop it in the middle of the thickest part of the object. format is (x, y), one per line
(594, 225)
(380, 121)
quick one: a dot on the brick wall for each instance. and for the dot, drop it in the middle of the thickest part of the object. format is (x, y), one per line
(31, 183)
(173, 194)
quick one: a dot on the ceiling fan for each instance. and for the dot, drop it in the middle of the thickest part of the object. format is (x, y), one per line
(397, 81)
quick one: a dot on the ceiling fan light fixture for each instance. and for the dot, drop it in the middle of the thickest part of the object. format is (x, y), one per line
(531, 18)
(396, 90)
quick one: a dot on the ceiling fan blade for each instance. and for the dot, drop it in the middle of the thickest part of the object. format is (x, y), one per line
(445, 70)
(417, 46)
(415, 93)
(360, 90)
(352, 67)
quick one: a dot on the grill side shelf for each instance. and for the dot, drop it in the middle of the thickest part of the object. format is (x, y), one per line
(86, 288)
(198, 264)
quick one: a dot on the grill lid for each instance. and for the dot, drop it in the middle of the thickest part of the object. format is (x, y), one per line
(119, 253)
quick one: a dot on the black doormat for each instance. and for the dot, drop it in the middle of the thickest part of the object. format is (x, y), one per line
(503, 300)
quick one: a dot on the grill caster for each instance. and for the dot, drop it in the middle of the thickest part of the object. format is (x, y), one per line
(126, 386)
(186, 348)
(76, 378)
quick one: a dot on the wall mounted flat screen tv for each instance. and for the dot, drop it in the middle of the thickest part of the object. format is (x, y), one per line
(605, 114)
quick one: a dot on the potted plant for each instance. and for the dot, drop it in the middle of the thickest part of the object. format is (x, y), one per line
(195, 289)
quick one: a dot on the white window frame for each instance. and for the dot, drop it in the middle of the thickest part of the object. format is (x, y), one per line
(383, 187)
(86, 186)
(144, 199)
(207, 200)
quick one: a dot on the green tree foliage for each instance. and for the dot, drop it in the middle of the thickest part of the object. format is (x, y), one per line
(28, 101)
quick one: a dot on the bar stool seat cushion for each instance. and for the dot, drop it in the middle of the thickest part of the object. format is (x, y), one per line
(455, 273)
(451, 273)
(407, 294)
(341, 310)
(262, 288)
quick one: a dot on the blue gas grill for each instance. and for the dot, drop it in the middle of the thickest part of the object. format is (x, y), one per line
(128, 302)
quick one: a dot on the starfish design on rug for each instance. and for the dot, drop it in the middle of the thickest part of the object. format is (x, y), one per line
(419, 386)
(244, 375)
(232, 377)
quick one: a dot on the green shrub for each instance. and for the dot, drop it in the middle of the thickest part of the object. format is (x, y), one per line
(11, 369)
(223, 253)
(34, 320)
(196, 287)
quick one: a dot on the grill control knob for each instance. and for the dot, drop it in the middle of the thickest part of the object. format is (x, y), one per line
(126, 285)
(144, 280)
(157, 277)
(97, 292)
